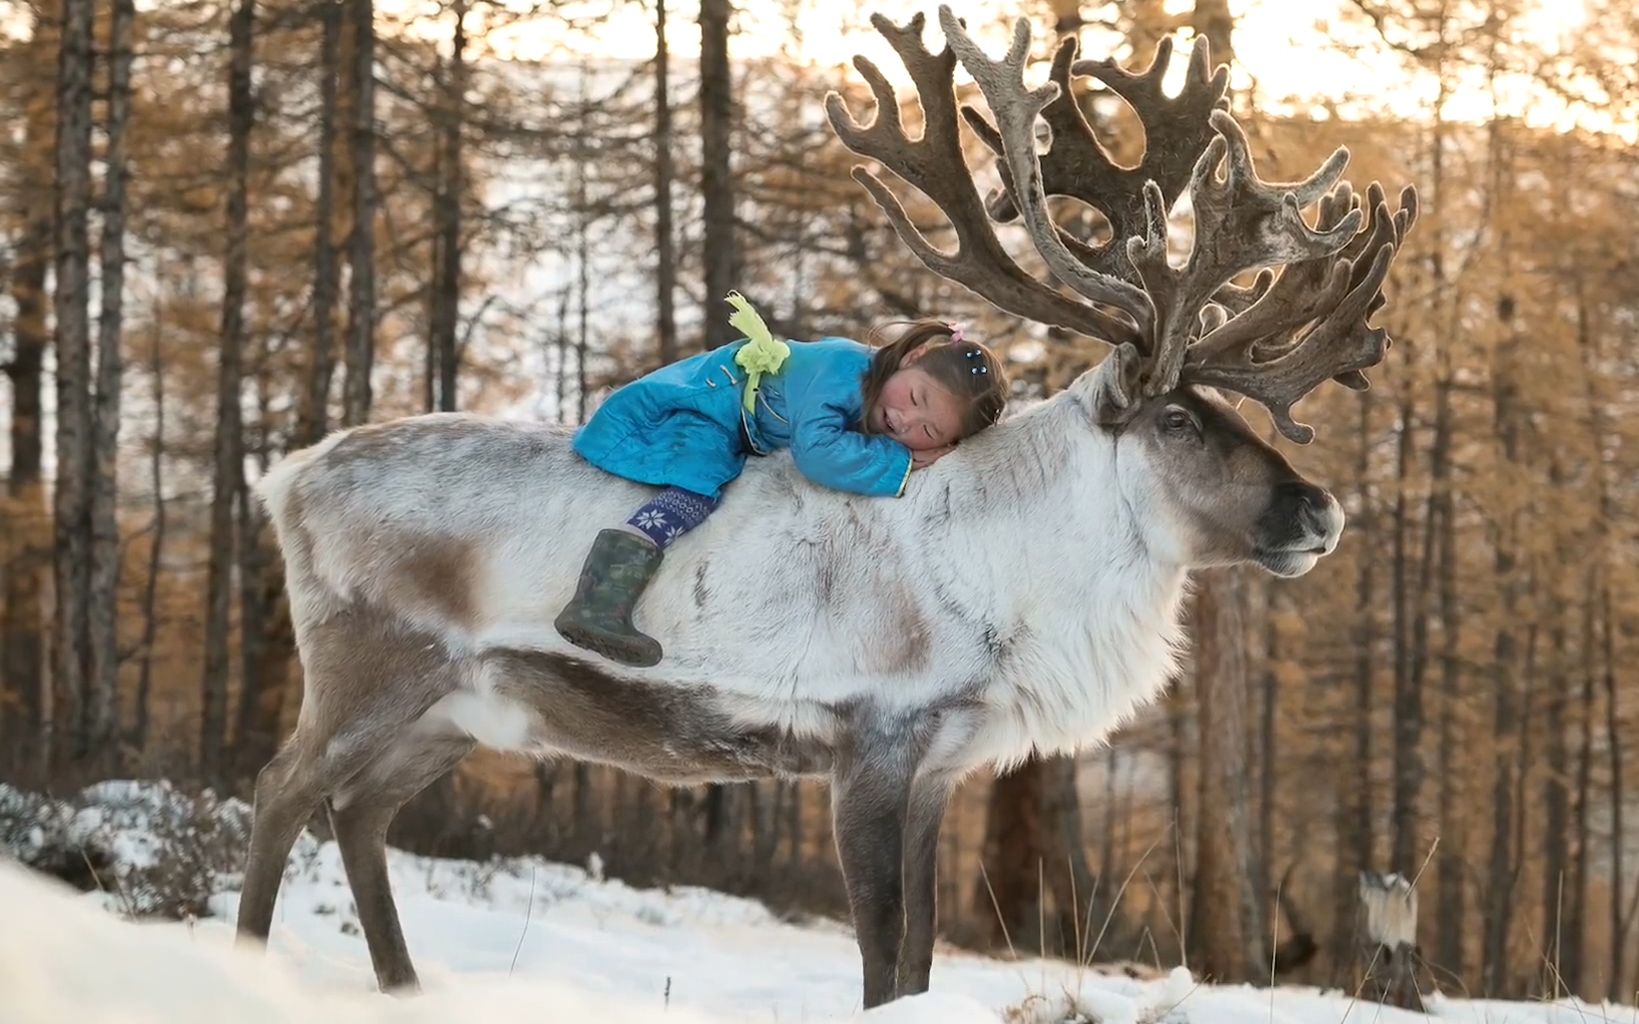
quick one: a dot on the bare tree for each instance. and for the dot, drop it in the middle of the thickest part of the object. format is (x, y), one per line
(665, 253)
(1555, 792)
(361, 277)
(102, 703)
(1225, 919)
(1450, 871)
(1036, 871)
(446, 304)
(1502, 870)
(72, 504)
(22, 640)
(1227, 908)
(1355, 834)
(717, 181)
(321, 367)
(141, 711)
(228, 479)
(1407, 697)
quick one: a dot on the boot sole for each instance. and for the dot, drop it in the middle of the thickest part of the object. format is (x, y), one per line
(617, 649)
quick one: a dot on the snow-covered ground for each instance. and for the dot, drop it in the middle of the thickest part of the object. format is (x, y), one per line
(529, 940)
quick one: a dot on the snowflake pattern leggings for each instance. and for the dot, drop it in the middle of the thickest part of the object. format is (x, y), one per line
(670, 514)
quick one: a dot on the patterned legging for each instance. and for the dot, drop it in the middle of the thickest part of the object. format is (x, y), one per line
(670, 514)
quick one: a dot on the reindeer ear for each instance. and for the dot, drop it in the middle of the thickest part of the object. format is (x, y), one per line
(1231, 398)
(1112, 391)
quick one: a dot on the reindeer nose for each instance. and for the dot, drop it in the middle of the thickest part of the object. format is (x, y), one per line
(1308, 504)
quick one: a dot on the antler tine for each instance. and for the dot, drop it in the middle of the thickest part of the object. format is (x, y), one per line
(1340, 345)
(1016, 109)
(1241, 223)
(1401, 225)
(1065, 122)
(1302, 291)
(1175, 128)
(1076, 163)
(934, 164)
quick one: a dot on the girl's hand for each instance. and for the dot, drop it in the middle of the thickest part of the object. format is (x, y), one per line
(922, 459)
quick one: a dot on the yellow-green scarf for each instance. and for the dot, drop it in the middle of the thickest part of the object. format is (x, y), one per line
(762, 353)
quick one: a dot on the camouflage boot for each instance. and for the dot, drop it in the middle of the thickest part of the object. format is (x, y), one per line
(599, 617)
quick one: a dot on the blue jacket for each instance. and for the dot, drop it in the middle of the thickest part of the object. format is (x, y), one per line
(684, 425)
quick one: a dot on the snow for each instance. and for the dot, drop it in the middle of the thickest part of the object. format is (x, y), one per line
(525, 939)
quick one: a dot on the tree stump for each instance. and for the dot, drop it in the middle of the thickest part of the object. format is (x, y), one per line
(1388, 958)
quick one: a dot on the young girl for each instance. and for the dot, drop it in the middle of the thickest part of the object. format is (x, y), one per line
(854, 418)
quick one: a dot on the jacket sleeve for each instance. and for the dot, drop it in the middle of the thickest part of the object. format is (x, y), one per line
(832, 455)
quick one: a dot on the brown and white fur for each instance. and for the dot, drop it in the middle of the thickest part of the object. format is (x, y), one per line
(1022, 596)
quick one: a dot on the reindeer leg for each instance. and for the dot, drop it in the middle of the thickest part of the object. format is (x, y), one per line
(870, 803)
(368, 680)
(287, 790)
(929, 796)
(359, 815)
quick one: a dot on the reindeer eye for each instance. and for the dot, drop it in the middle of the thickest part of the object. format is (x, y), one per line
(1177, 421)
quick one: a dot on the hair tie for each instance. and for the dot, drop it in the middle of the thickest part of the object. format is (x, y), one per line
(956, 332)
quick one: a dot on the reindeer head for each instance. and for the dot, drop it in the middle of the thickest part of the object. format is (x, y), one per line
(1183, 335)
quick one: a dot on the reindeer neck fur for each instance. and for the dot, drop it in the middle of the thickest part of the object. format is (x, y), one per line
(1079, 609)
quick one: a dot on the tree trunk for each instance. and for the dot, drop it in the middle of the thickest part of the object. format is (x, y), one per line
(1070, 879)
(1225, 922)
(315, 419)
(1555, 792)
(717, 182)
(665, 254)
(228, 479)
(1502, 869)
(1180, 706)
(74, 426)
(1605, 657)
(1449, 869)
(1613, 741)
(28, 546)
(562, 345)
(583, 256)
(1268, 745)
(446, 307)
(1355, 835)
(361, 277)
(140, 713)
(1010, 855)
(793, 829)
(1575, 924)
(102, 705)
(1033, 853)
(1408, 701)
(1555, 801)
(1451, 929)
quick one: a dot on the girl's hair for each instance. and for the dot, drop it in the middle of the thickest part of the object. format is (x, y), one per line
(965, 368)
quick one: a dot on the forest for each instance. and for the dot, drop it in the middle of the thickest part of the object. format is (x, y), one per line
(229, 227)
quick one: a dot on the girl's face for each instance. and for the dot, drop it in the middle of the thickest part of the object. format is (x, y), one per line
(915, 410)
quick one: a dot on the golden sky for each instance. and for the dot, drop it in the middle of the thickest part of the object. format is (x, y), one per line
(1294, 53)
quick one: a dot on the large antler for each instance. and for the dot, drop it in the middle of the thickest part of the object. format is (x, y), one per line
(935, 165)
(1077, 165)
(1273, 341)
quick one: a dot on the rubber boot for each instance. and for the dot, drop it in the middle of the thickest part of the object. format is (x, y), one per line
(599, 617)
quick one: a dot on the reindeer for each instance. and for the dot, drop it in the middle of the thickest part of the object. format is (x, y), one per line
(1023, 597)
